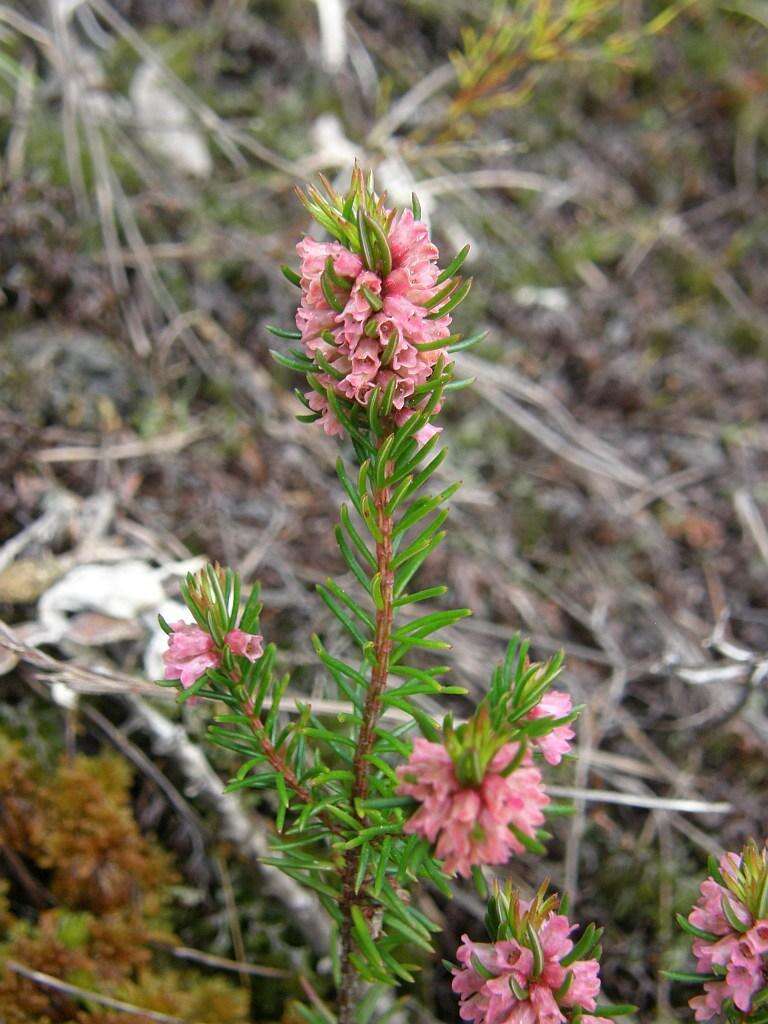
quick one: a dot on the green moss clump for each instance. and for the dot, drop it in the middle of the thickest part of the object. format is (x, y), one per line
(103, 897)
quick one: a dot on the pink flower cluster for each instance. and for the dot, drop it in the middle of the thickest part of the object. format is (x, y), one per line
(191, 651)
(497, 984)
(393, 308)
(471, 824)
(743, 954)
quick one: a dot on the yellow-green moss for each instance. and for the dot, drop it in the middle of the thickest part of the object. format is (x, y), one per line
(77, 847)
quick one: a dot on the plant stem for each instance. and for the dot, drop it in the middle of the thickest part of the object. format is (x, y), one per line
(382, 644)
(281, 766)
(275, 758)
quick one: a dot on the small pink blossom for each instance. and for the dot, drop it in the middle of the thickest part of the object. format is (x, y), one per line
(249, 645)
(743, 982)
(709, 1005)
(554, 704)
(708, 914)
(470, 825)
(424, 434)
(191, 652)
(329, 423)
(709, 954)
(492, 1000)
(585, 986)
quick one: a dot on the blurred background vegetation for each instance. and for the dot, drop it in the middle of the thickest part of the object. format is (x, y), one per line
(608, 161)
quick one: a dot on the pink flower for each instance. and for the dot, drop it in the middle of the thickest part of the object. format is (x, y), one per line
(374, 311)
(585, 986)
(710, 953)
(471, 825)
(191, 652)
(757, 937)
(424, 434)
(554, 704)
(743, 982)
(327, 420)
(742, 952)
(708, 914)
(497, 984)
(249, 645)
(710, 1004)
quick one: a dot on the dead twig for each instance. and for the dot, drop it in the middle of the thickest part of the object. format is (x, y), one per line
(166, 444)
(86, 995)
(222, 963)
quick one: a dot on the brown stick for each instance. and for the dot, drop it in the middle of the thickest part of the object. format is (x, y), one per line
(365, 741)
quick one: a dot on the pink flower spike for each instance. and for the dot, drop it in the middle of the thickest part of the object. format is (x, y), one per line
(191, 652)
(372, 325)
(249, 645)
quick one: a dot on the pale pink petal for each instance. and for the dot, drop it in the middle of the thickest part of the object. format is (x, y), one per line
(554, 704)
(190, 653)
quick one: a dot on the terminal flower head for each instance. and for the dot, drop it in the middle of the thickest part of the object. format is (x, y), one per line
(375, 309)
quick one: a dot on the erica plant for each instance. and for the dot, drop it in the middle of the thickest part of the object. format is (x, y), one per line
(373, 805)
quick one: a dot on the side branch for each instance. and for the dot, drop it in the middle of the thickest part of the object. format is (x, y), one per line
(276, 760)
(281, 766)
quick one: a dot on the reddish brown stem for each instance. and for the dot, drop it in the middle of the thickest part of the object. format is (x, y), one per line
(382, 644)
(274, 756)
(282, 767)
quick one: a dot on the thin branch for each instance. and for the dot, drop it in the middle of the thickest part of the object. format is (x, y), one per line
(655, 803)
(222, 963)
(166, 444)
(48, 981)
